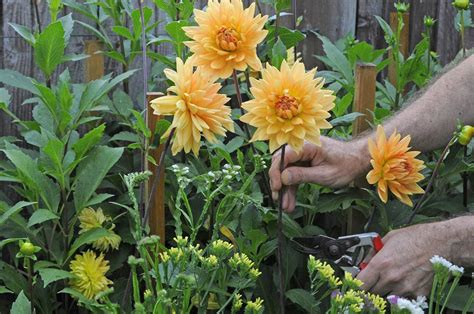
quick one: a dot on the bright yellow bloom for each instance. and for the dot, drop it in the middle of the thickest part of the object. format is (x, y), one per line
(89, 274)
(91, 219)
(290, 106)
(377, 301)
(395, 168)
(351, 282)
(226, 38)
(197, 107)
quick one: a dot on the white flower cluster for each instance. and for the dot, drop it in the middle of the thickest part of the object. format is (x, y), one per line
(230, 172)
(439, 261)
(181, 175)
(260, 162)
(413, 306)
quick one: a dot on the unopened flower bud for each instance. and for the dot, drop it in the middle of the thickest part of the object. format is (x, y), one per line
(27, 249)
(461, 4)
(428, 21)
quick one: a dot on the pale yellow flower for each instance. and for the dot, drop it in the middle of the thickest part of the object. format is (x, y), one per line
(395, 167)
(226, 38)
(91, 219)
(197, 107)
(89, 274)
(290, 106)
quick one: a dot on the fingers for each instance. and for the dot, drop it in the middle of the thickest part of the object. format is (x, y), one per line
(369, 276)
(289, 198)
(299, 175)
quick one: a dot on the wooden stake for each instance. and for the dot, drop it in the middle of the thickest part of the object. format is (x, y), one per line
(157, 208)
(364, 102)
(95, 63)
(364, 96)
(404, 43)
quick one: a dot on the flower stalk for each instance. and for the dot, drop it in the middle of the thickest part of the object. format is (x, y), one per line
(280, 235)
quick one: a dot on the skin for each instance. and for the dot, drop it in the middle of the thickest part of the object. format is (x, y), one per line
(402, 267)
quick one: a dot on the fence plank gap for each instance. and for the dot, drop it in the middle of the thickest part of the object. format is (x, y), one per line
(157, 209)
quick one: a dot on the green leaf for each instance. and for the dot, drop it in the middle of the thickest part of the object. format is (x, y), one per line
(24, 32)
(74, 57)
(87, 237)
(346, 119)
(167, 7)
(68, 24)
(21, 305)
(140, 124)
(4, 98)
(175, 30)
(41, 215)
(13, 210)
(304, 299)
(88, 141)
(123, 31)
(3, 290)
(102, 37)
(92, 171)
(49, 48)
(125, 136)
(54, 149)
(289, 37)
(18, 80)
(34, 178)
(50, 275)
(234, 144)
(99, 198)
(121, 103)
(338, 61)
(278, 53)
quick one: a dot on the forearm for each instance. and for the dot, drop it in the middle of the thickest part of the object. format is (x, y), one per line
(432, 118)
(461, 240)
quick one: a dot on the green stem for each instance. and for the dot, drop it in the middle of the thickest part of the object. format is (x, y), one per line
(432, 294)
(149, 284)
(454, 284)
(281, 237)
(208, 288)
(463, 44)
(30, 283)
(468, 304)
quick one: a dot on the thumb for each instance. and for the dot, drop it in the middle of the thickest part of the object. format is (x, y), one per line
(299, 175)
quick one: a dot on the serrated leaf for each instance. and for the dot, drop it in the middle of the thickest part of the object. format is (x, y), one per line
(92, 171)
(278, 53)
(175, 30)
(49, 275)
(304, 299)
(41, 215)
(24, 32)
(86, 238)
(346, 119)
(18, 80)
(49, 48)
(88, 141)
(21, 305)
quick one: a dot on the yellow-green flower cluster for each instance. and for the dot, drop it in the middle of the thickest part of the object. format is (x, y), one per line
(176, 254)
(324, 270)
(181, 241)
(254, 307)
(378, 303)
(350, 301)
(221, 248)
(210, 262)
(237, 303)
(243, 265)
(350, 282)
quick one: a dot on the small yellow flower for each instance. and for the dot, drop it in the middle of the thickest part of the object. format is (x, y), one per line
(226, 38)
(254, 273)
(198, 109)
(377, 301)
(289, 106)
(210, 262)
(254, 306)
(395, 167)
(89, 274)
(351, 282)
(91, 219)
(237, 302)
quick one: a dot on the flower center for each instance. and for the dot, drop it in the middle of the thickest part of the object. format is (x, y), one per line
(228, 39)
(286, 106)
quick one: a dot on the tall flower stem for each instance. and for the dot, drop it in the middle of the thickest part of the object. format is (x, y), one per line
(280, 236)
(266, 180)
(464, 181)
(146, 214)
(463, 43)
(433, 177)
(30, 282)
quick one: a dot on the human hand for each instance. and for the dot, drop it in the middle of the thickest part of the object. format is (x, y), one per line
(403, 265)
(334, 164)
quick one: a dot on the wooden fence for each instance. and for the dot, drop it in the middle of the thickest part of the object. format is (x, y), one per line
(332, 18)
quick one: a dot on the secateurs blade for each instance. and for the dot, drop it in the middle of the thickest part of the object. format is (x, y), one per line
(347, 252)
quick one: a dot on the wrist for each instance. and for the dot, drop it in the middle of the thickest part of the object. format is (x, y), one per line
(360, 151)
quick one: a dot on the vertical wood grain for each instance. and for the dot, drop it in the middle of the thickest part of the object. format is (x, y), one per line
(157, 208)
(94, 67)
(367, 28)
(364, 96)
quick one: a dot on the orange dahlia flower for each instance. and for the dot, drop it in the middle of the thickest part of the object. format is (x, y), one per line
(198, 108)
(395, 167)
(290, 106)
(226, 37)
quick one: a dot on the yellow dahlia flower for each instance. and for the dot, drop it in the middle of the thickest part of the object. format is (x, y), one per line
(89, 274)
(91, 219)
(395, 167)
(290, 106)
(226, 37)
(197, 107)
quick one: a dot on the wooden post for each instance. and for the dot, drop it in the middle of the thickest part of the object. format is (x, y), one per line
(157, 207)
(364, 96)
(95, 63)
(364, 102)
(404, 43)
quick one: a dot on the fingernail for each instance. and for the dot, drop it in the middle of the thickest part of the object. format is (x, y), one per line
(274, 196)
(286, 178)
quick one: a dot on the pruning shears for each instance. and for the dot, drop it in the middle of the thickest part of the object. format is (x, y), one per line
(347, 252)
